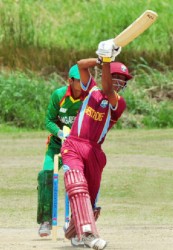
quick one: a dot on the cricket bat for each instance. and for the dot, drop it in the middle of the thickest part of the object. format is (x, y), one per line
(66, 131)
(134, 30)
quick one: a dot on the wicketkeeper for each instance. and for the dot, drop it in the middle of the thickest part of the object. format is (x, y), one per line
(82, 155)
(62, 110)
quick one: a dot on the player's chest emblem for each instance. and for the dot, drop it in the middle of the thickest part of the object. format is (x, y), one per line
(104, 103)
(63, 110)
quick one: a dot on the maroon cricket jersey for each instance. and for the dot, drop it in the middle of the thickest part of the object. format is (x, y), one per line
(96, 115)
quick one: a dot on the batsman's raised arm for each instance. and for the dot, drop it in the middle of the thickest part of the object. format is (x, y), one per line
(84, 65)
(107, 85)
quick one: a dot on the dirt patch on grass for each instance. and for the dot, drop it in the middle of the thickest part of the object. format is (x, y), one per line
(138, 237)
(21, 160)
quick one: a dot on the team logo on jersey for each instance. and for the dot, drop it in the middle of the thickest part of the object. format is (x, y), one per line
(67, 119)
(97, 116)
(63, 110)
(104, 103)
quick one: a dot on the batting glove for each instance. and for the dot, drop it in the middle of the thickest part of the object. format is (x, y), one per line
(108, 49)
(115, 53)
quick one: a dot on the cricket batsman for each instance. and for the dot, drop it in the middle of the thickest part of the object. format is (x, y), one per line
(82, 154)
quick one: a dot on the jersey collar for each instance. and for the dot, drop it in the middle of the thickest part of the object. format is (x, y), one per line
(69, 93)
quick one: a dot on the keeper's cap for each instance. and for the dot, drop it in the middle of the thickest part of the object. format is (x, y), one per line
(74, 72)
(120, 68)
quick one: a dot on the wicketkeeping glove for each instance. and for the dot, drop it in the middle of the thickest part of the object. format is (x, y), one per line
(62, 135)
(108, 49)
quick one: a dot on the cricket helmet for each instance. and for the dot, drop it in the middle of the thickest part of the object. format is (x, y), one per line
(120, 68)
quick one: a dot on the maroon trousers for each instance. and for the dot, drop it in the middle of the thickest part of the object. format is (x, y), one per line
(87, 157)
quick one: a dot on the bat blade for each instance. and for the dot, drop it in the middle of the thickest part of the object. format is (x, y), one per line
(142, 23)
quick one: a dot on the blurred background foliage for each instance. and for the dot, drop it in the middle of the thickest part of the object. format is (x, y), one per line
(34, 33)
(41, 39)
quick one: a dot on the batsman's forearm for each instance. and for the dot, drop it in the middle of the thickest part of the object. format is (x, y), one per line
(107, 85)
(106, 78)
(87, 63)
(84, 65)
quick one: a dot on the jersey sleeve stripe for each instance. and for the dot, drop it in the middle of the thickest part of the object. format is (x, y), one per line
(82, 113)
(85, 87)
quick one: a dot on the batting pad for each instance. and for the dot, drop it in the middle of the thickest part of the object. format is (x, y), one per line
(77, 189)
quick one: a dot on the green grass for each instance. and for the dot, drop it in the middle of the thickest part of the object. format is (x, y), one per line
(145, 142)
(24, 99)
(52, 35)
(38, 33)
(136, 185)
(139, 195)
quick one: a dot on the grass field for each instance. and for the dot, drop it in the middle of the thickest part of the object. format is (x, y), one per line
(34, 34)
(137, 184)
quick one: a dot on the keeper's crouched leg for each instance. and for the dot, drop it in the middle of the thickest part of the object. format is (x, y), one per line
(83, 217)
(45, 187)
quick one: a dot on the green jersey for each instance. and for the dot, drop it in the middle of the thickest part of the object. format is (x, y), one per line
(62, 110)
